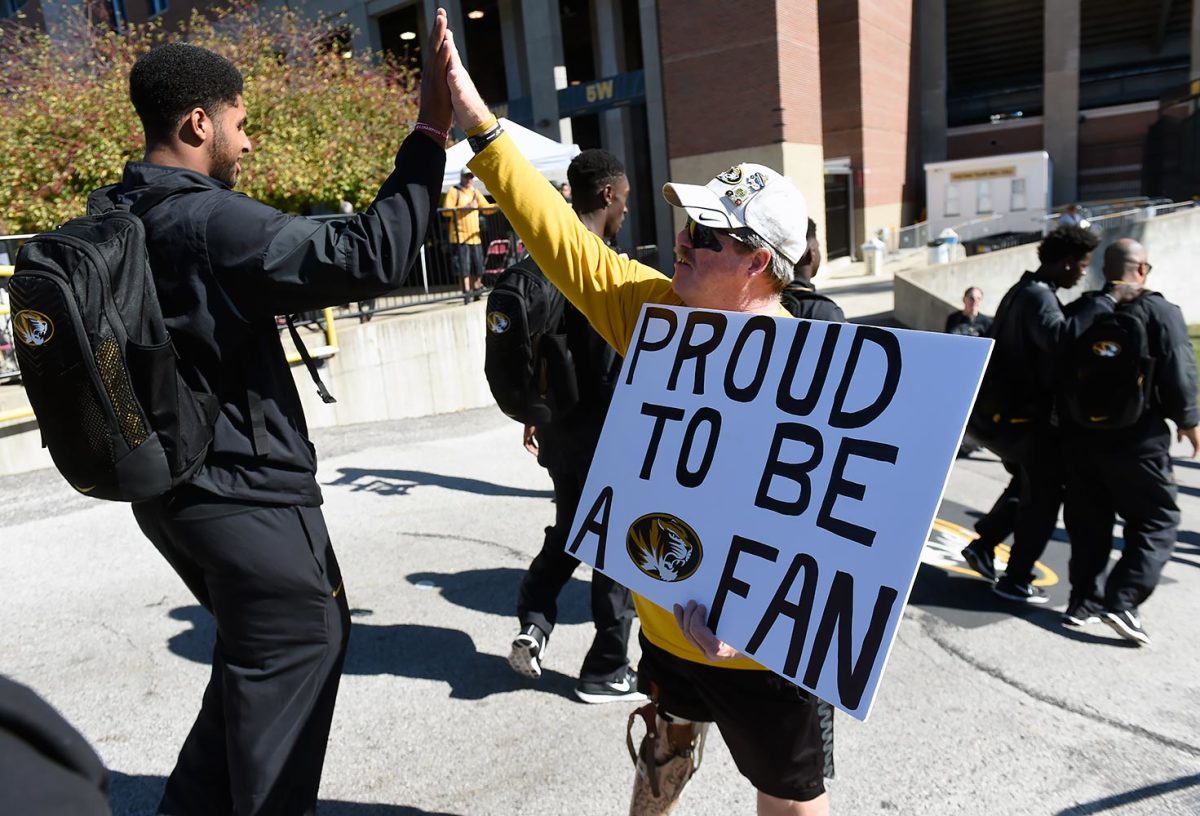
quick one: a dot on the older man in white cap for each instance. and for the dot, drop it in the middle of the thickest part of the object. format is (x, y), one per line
(746, 230)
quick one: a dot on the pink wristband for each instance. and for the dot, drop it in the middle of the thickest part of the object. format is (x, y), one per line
(424, 127)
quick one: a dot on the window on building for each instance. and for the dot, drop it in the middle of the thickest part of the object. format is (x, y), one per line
(9, 8)
(983, 196)
(485, 47)
(400, 35)
(951, 200)
(1018, 194)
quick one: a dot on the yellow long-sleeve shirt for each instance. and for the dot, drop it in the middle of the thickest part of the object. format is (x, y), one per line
(463, 208)
(606, 287)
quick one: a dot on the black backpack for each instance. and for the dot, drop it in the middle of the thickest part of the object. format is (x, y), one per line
(527, 361)
(97, 362)
(1107, 375)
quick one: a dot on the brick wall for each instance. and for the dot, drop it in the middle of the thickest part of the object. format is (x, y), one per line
(721, 68)
(800, 91)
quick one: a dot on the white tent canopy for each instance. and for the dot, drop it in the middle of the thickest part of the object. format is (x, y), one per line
(548, 156)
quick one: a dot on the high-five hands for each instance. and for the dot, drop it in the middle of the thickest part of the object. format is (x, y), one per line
(691, 620)
(436, 108)
(469, 108)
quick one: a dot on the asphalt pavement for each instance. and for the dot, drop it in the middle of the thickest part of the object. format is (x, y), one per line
(984, 708)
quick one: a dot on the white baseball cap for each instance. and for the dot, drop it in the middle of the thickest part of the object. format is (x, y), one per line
(751, 196)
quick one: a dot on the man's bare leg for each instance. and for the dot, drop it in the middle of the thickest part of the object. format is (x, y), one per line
(771, 806)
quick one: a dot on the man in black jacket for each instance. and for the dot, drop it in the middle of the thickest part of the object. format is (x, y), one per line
(246, 534)
(800, 297)
(565, 448)
(1127, 471)
(1017, 398)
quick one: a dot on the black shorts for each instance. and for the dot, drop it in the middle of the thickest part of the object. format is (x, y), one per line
(780, 736)
(467, 260)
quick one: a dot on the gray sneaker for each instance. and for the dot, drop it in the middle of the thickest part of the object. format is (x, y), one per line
(982, 559)
(1081, 613)
(528, 651)
(623, 688)
(1126, 623)
(1017, 591)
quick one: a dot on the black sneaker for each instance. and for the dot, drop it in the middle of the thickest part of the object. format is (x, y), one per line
(1127, 624)
(982, 559)
(528, 652)
(1081, 613)
(610, 691)
(1018, 591)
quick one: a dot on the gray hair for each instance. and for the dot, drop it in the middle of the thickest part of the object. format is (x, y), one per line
(780, 268)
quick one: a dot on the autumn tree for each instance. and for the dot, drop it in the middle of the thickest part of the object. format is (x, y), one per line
(325, 120)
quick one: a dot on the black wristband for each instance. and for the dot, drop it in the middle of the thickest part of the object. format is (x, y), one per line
(481, 141)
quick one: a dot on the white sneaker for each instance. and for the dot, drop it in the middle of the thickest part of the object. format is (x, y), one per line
(528, 651)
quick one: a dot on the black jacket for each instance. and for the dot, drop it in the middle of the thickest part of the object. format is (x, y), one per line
(225, 265)
(1173, 396)
(568, 444)
(978, 326)
(1030, 329)
(802, 300)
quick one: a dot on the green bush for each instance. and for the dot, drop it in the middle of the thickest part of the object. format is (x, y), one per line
(325, 122)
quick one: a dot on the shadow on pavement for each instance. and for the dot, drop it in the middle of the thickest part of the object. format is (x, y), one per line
(401, 483)
(130, 795)
(964, 600)
(1136, 795)
(969, 602)
(402, 650)
(494, 592)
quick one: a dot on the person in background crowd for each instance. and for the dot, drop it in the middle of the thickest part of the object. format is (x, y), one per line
(969, 321)
(462, 206)
(1072, 216)
(1127, 472)
(565, 190)
(800, 296)
(565, 448)
(1014, 413)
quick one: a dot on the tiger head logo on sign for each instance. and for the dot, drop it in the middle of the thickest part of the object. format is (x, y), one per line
(664, 547)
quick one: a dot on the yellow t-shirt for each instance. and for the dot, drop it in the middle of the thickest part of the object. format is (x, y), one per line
(464, 223)
(608, 288)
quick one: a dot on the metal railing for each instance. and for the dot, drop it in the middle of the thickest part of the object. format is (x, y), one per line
(435, 277)
(914, 236)
(1114, 222)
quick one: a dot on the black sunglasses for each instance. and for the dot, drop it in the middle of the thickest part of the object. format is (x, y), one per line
(705, 237)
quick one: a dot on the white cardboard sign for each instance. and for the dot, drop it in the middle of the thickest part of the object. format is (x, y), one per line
(785, 473)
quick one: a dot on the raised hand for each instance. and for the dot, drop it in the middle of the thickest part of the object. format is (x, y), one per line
(436, 108)
(469, 107)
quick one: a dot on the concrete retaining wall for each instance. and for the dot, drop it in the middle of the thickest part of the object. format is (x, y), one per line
(925, 296)
(391, 368)
(400, 367)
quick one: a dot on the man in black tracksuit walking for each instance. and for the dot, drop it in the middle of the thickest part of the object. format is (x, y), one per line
(247, 534)
(565, 447)
(1014, 414)
(1127, 471)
